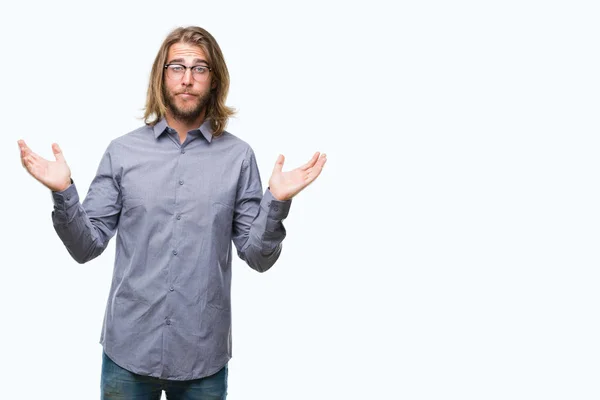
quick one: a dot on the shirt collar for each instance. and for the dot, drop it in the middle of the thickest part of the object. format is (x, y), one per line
(161, 126)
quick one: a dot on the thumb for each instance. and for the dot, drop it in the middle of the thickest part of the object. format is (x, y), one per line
(57, 152)
(279, 163)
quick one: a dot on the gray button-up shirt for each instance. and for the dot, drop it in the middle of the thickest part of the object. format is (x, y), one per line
(177, 208)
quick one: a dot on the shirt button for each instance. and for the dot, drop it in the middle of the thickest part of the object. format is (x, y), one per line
(182, 151)
(174, 252)
(68, 198)
(181, 181)
(168, 322)
(178, 216)
(171, 288)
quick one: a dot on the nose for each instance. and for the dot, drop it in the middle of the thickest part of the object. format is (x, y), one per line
(187, 77)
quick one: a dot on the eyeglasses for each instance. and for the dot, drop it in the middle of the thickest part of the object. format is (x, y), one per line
(177, 71)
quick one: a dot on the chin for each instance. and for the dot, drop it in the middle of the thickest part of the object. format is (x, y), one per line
(188, 103)
(187, 108)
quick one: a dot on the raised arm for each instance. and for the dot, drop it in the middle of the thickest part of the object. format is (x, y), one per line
(85, 229)
(258, 229)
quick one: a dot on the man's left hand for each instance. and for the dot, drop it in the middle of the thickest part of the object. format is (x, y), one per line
(285, 185)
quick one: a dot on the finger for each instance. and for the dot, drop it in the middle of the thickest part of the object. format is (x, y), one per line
(279, 163)
(26, 151)
(57, 152)
(21, 152)
(29, 166)
(34, 168)
(25, 154)
(30, 162)
(23, 146)
(34, 156)
(314, 172)
(312, 161)
(322, 160)
(319, 164)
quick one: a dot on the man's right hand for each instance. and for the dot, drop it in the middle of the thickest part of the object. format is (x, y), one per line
(55, 175)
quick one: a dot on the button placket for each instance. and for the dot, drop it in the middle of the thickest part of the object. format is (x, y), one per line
(170, 278)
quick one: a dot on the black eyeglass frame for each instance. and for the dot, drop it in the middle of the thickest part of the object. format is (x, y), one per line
(185, 67)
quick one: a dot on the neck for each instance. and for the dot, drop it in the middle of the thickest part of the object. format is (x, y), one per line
(184, 126)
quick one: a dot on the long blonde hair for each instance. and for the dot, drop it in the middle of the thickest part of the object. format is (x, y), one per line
(216, 109)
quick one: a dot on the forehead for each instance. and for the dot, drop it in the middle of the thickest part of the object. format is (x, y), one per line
(187, 52)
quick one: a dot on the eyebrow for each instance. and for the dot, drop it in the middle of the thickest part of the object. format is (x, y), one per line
(181, 60)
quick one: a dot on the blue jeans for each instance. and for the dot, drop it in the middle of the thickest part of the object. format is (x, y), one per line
(119, 383)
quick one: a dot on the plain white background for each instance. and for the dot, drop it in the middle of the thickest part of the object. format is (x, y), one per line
(449, 250)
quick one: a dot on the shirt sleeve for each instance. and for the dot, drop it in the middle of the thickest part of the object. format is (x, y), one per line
(258, 229)
(86, 228)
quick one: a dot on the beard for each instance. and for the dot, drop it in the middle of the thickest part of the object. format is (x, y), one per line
(191, 109)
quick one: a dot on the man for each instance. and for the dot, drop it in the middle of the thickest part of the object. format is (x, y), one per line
(179, 189)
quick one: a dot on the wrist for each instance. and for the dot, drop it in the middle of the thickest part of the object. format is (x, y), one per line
(65, 186)
(278, 196)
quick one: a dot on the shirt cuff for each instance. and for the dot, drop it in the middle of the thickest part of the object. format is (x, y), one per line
(66, 198)
(275, 209)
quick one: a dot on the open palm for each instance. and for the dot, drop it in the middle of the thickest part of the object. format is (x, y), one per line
(285, 185)
(55, 175)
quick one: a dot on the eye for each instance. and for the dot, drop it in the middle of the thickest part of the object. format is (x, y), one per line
(176, 68)
(200, 70)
